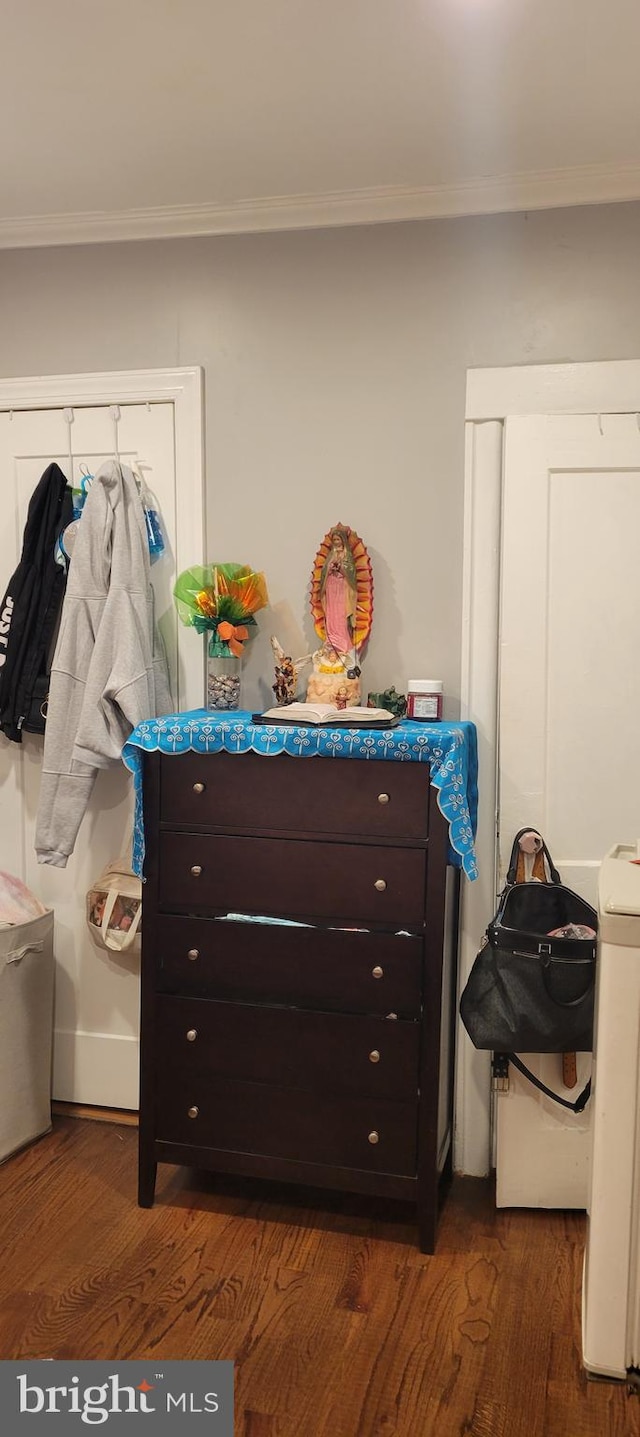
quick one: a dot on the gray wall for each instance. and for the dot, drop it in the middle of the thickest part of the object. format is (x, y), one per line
(335, 367)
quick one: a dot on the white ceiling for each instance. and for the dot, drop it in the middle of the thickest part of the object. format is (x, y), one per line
(134, 117)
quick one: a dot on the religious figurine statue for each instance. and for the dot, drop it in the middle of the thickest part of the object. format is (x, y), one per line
(287, 670)
(341, 609)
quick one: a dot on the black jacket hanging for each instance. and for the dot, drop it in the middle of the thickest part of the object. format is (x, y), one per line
(30, 609)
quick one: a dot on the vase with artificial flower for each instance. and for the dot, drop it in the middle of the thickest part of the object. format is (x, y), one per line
(220, 600)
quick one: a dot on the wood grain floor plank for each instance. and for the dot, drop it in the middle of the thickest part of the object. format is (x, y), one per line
(338, 1325)
(259, 1424)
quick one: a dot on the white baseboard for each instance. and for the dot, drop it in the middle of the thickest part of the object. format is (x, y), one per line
(96, 1068)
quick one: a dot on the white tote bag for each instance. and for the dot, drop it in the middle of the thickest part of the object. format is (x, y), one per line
(114, 908)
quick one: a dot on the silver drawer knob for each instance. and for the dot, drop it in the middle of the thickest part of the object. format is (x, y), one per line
(196, 870)
(374, 1056)
(377, 972)
(192, 1034)
(193, 1113)
(199, 787)
(383, 798)
(380, 884)
(374, 1137)
(193, 954)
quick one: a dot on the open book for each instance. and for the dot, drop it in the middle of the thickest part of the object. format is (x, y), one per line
(328, 715)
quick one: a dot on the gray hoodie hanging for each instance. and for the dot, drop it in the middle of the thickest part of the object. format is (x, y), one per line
(109, 670)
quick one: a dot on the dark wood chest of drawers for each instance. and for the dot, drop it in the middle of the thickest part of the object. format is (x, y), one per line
(316, 1045)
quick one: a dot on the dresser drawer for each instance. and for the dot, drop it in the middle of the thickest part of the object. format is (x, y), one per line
(346, 1055)
(302, 967)
(282, 793)
(286, 1123)
(370, 884)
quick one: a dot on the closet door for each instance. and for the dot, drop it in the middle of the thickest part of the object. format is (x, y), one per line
(97, 993)
(569, 702)
(569, 680)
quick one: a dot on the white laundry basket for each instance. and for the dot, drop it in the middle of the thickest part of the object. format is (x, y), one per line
(26, 1028)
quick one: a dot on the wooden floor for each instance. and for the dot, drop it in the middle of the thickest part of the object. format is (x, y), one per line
(338, 1325)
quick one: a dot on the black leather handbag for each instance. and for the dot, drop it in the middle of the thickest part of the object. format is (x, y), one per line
(530, 991)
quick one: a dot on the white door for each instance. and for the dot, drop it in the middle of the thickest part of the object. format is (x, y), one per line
(97, 993)
(569, 699)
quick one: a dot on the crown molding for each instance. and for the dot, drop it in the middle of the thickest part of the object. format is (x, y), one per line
(534, 190)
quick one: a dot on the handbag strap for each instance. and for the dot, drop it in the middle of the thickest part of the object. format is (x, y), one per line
(107, 911)
(109, 906)
(580, 1102)
(513, 861)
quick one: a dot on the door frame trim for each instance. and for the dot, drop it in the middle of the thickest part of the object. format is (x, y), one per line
(183, 388)
(493, 395)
